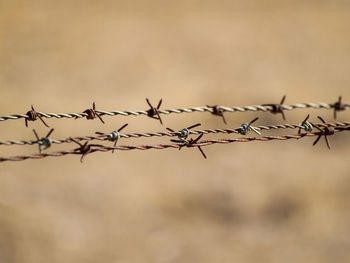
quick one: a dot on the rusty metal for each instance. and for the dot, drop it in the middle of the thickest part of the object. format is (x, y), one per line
(33, 115)
(190, 143)
(218, 111)
(154, 111)
(326, 131)
(44, 142)
(343, 128)
(113, 136)
(278, 108)
(102, 136)
(183, 135)
(87, 149)
(92, 113)
(338, 106)
(84, 149)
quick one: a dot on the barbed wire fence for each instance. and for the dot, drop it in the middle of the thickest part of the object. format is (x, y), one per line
(305, 128)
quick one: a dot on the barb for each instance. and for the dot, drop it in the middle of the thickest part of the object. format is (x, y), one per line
(44, 142)
(218, 111)
(102, 148)
(92, 113)
(84, 149)
(154, 111)
(325, 132)
(278, 108)
(266, 108)
(245, 127)
(102, 136)
(338, 106)
(190, 143)
(183, 134)
(114, 135)
(306, 125)
(33, 115)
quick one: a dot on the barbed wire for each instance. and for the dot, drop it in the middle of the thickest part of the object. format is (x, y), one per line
(92, 113)
(88, 149)
(104, 137)
(324, 129)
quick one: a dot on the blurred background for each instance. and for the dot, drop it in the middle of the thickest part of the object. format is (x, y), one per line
(279, 201)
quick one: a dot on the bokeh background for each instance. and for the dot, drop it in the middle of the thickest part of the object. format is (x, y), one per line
(280, 201)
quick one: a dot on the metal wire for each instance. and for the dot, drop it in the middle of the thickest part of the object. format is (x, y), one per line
(172, 134)
(103, 148)
(263, 108)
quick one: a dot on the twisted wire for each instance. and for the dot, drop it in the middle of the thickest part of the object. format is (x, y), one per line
(103, 148)
(172, 134)
(263, 108)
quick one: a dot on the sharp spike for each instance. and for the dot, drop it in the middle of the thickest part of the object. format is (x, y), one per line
(121, 128)
(99, 117)
(283, 99)
(283, 116)
(149, 104)
(253, 120)
(159, 118)
(198, 138)
(36, 135)
(160, 103)
(318, 138)
(49, 133)
(328, 145)
(43, 120)
(321, 119)
(307, 117)
(223, 117)
(193, 126)
(205, 157)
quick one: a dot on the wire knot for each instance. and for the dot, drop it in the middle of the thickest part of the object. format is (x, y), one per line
(338, 106)
(245, 127)
(183, 134)
(277, 108)
(92, 113)
(45, 142)
(154, 111)
(218, 111)
(84, 149)
(307, 126)
(33, 115)
(182, 138)
(113, 136)
(327, 130)
(191, 142)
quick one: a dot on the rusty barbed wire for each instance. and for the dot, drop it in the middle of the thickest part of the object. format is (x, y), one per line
(106, 136)
(216, 110)
(88, 149)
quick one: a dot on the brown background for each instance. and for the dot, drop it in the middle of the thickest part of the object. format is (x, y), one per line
(248, 202)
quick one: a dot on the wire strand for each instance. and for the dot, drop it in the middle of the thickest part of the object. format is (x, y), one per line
(172, 134)
(103, 148)
(263, 108)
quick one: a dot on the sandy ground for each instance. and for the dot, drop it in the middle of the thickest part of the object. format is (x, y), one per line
(248, 202)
